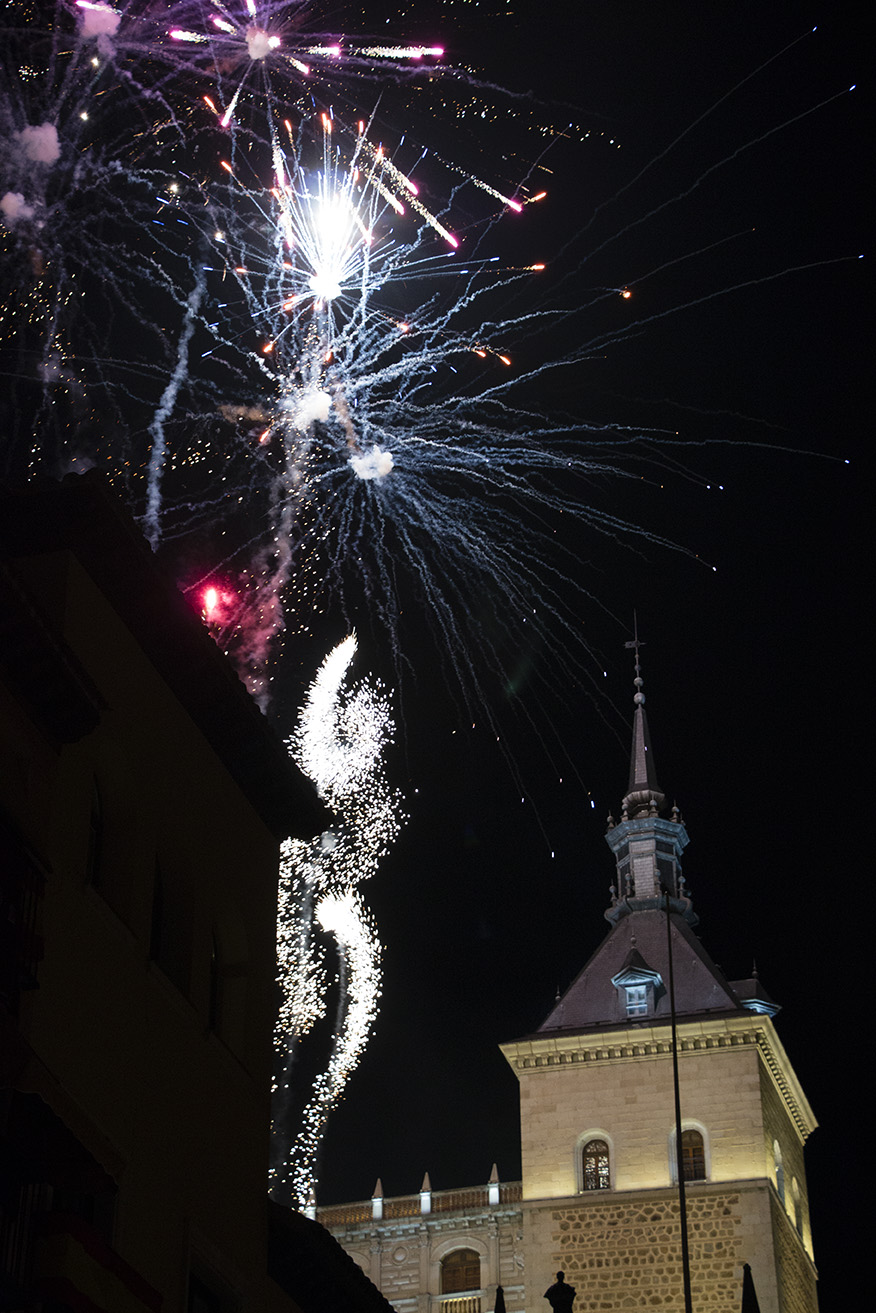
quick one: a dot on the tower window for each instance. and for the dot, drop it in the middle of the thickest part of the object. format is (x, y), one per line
(693, 1156)
(636, 1000)
(780, 1170)
(595, 1166)
(460, 1270)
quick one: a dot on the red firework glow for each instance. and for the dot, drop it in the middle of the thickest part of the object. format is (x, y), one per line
(213, 604)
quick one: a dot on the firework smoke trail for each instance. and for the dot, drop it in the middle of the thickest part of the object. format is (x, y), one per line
(165, 409)
(92, 234)
(339, 744)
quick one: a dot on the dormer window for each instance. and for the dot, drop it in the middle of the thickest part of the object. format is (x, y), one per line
(637, 985)
(753, 996)
(637, 1000)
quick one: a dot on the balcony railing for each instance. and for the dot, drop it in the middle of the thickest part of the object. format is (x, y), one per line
(460, 1304)
(442, 1201)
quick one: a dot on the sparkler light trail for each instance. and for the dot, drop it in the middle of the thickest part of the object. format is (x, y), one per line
(339, 743)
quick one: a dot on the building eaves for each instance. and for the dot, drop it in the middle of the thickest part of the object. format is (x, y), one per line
(83, 514)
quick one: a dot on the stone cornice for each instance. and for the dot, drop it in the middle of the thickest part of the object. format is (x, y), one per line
(401, 1229)
(651, 1042)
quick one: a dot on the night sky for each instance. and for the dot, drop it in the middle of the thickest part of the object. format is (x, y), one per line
(752, 353)
(755, 673)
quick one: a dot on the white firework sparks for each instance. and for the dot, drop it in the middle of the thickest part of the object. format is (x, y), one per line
(339, 743)
(259, 39)
(306, 291)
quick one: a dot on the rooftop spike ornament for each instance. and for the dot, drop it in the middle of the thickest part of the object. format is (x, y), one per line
(646, 845)
(339, 743)
(643, 796)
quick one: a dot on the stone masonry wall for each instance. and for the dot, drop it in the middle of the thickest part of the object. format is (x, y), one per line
(403, 1258)
(797, 1280)
(779, 1126)
(624, 1253)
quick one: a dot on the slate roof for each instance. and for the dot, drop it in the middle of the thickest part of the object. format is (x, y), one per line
(592, 1002)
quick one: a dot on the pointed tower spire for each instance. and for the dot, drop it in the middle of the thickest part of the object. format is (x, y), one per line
(644, 796)
(647, 848)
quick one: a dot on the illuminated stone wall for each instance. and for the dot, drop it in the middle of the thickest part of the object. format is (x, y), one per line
(780, 1129)
(622, 1251)
(796, 1275)
(402, 1254)
(618, 1085)
(620, 1246)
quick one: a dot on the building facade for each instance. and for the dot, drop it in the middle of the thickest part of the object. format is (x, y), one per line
(445, 1250)
(599, 1196)
(142, 801)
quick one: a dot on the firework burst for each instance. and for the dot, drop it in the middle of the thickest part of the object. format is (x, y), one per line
(260, 44)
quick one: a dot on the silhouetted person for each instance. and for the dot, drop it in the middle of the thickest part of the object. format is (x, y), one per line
(560, 1296)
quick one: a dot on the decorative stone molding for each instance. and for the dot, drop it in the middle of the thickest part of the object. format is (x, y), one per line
(649, 1042)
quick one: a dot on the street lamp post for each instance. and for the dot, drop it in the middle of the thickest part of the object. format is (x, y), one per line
(679, 1168)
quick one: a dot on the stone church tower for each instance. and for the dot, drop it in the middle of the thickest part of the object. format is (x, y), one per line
(600, 1194)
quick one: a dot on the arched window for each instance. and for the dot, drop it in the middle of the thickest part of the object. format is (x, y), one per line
(695, 1160)
(780, 1170)
(595, 1166)
(460, 1270)
(693, 1156)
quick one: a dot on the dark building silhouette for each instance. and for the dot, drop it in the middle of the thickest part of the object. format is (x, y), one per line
(143, 797)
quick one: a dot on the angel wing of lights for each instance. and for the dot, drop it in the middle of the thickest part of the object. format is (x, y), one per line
(339, 742)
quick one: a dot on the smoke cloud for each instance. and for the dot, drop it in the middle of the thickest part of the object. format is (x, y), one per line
(14, 207)
(40, 143)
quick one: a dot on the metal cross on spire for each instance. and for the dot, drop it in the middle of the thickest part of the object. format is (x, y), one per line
(636, 644)
(636, 641)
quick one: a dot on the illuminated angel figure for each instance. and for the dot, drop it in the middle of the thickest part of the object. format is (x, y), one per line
(339, 743)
